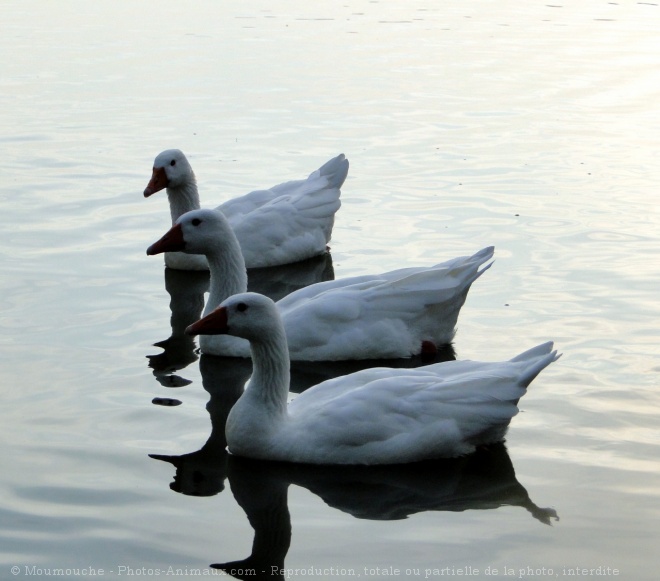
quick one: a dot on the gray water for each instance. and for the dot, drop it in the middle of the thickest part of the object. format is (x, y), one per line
(529, 126)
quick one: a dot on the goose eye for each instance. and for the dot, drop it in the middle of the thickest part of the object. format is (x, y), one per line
(241, 307)
(196, 222)
(173, 162)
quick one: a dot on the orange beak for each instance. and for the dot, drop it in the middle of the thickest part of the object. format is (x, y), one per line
(157, 182)
(215, 323)
(172, 241)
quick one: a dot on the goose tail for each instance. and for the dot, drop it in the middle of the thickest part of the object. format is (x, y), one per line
(335, 171)
(539, 358)
(479, 259)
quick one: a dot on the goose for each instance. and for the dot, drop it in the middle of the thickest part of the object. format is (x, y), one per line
(375, 416)
(393, 315)
(284, 224)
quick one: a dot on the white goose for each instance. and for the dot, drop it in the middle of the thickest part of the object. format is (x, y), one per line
(286, 223)
(375, 416)
(397, 314)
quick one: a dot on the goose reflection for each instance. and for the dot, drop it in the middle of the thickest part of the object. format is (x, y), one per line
(278, 281)
(485, 480)
(187, 288)
(202, 473)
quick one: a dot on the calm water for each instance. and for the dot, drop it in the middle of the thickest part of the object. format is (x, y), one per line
(530, 126)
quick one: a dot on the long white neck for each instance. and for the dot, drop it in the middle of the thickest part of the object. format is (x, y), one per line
(183, 198)
(270, 371)
(260, 413)
(228, 274)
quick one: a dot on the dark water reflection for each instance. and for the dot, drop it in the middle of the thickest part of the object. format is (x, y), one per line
(202, 473)
(278, 281)
(484, 480)
(186, 290)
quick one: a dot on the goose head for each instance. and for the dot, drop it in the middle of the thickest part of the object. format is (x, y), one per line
(171, 170)
(248, 315)
(197, 232)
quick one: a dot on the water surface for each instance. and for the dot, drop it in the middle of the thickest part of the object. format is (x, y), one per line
(530, 127)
